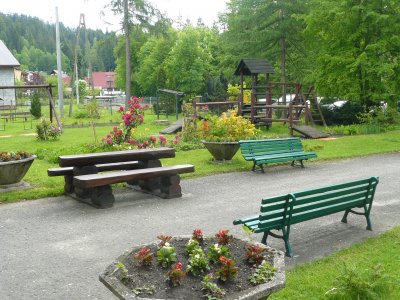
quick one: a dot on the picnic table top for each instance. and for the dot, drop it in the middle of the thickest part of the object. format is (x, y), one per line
(89, 159)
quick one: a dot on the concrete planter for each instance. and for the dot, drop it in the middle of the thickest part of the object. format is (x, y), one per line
(262, 291)
(222, 150)
(12, 172)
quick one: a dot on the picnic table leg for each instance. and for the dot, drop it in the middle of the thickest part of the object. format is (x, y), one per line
(102, 196)
(86, 170)
(68, 184)
(153, 183)
(170, 187)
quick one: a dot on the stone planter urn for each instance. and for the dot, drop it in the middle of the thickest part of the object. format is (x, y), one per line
(127, 280)
(12, 172)
(222, 150)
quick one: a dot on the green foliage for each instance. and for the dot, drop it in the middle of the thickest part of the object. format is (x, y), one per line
(176, 274)
(198, 262)
(372, 283)
(144, 256)
(227, 269)
(46, 131)
(345, 115)
(36, 106)
(255, 254)
(191, 246)
(123, 272)
(350, 60)
(211, 290)
(215, 251)
(229, 128)
(166, 255)
(263, 273)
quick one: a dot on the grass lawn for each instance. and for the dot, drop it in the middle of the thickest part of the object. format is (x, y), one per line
(75, 140)
(369, 270)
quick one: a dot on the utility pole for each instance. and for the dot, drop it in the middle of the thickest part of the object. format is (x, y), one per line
(59, 68)
(127, 54)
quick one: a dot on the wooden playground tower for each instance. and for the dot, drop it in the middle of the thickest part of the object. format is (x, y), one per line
(264, 107)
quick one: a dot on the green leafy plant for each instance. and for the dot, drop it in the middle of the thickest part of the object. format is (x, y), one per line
(36, 106)
(215, 251)
(228, 128)
(211, 290)
(176, 274)
(198, 262)
(191, 246)
(123, 272)
(148, 290)
(372, 283)
(144, 256)
(223, 237)
(255, 254)
(227, 270)
(45, 130)
(166, 255)
(263, 273)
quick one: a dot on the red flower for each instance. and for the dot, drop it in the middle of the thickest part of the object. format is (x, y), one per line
(121, 108)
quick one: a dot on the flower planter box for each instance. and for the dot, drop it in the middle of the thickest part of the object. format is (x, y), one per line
(153, 276)
(12, 172)
(222, 150)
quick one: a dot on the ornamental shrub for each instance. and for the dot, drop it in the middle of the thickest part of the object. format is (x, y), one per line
(46, 131)
(228, 128)
(36, 106)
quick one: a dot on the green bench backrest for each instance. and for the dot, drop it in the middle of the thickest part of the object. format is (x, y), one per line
(253, 148)
(293, 208)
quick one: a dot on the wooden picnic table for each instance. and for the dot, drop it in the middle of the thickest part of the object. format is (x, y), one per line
(84, 180)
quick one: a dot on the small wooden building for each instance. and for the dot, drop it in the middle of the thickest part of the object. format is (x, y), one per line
(7, 76)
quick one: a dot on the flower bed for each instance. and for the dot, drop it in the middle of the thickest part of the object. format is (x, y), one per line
(181, 268)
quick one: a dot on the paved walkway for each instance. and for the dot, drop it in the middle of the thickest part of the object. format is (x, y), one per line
(55, 248)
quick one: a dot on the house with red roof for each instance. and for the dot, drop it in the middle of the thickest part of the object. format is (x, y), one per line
(103, 80)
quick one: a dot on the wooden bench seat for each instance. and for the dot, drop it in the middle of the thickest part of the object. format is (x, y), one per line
(65, 171)
(280, 212)
(97, 186)
(265, 151)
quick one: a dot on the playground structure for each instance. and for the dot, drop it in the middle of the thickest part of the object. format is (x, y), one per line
(10, 113)
(271, 101)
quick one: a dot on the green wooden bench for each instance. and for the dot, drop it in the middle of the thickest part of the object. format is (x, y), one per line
(279, 213)
(261, 152)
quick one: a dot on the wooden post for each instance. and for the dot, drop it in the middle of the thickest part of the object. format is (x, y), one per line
(291, 118)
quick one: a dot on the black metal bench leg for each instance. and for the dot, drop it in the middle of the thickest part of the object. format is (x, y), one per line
(301, 162)
(344, 219)
(369, 224)
(292, 163)
(265, 237)
(254, 166)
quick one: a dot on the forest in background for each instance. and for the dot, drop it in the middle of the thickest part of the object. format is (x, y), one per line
(33, 43)
(347, 49)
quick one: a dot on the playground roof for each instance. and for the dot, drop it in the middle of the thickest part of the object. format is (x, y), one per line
(252, 66)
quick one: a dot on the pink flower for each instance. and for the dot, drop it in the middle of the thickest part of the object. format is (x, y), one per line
(121, 108)
(178, 266)
(163, 143)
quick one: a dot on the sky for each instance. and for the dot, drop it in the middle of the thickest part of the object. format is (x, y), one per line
(69, 11)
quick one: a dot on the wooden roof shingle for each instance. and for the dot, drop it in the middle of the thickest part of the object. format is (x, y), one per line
(250, 66)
